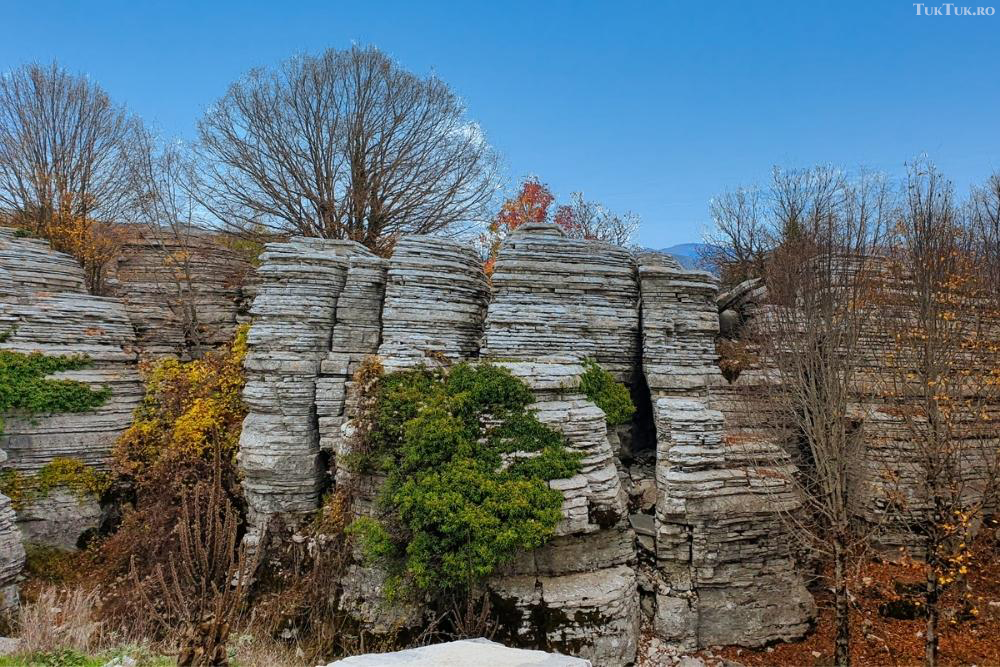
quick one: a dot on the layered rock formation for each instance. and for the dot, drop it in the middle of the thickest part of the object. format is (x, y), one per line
(554, 294)
(11, 551)
(294, 315)
(717, 541)
(181, 288)
(45, 308)
(707, 564)
(577, 594)
(435, 301)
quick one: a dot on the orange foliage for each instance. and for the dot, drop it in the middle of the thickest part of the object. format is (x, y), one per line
(530, 204)
(92, 242)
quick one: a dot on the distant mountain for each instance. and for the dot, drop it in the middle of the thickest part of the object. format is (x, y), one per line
(689, 255)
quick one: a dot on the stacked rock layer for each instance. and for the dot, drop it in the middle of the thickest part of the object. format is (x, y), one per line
(435, 300)
(708, 558)
(181, 288)
(45, 308)
(294, 315)
(577, 594)
(554, 294)
(723, 573)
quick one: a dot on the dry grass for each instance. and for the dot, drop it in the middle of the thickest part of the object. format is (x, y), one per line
(60, 619)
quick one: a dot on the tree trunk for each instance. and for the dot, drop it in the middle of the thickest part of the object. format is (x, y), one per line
(931, 603)
(842, 642)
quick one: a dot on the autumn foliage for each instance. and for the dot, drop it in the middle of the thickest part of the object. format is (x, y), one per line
(579, 218)
(530, 204)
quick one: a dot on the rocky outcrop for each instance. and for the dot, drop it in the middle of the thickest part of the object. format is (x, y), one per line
(717, 542)
(555, 295)
(181, 288)
(300, 284)
(683, 531)
(45, 308)
(579, 299)
(435, 300)
(11, 551)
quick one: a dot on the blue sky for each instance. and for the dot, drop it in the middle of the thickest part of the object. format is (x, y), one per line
(649, 106)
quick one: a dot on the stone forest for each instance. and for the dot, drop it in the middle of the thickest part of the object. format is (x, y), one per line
(669, 493)
(320, 384)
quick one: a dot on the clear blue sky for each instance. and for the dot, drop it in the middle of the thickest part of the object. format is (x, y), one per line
(648, 106)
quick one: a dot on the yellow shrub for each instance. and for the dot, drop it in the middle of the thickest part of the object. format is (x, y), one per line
(189, 409)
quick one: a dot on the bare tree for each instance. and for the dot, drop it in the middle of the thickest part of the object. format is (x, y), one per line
(809, 342)
(168, 213)
(586, 219)
(740, 240)
(941, 379)
(348, 145)
(752, 223)
(64, 160)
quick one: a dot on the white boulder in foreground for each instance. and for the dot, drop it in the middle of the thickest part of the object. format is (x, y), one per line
(478, 652)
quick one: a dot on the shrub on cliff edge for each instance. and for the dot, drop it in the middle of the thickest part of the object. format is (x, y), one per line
(467, 470)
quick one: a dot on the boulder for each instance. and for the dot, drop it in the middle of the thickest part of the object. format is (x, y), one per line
(462, 654)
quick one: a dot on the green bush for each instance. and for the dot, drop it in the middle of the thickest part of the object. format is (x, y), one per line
(467, 476)
(25, 389)
(612, 397)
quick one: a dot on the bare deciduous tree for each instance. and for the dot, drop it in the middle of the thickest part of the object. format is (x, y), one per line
(166, 209)
(348, 145)
(809, 342)
(752, 223)
(586, 219)
(65, 160)
(941, 379)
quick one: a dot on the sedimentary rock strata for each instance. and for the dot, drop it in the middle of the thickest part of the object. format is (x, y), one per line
(46, 309)
(555, 295)
(181, 288)
(300, 283)
(578, 593)
(11, 551)
(717, 542)
(435, 300)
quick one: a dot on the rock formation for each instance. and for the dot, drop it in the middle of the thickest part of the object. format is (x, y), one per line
(294, 315)
(557, 301)
(554, 294)
(708, 565)
(181, 288)
(45, 308)
(718, 544)
(435, 301)
(11, 551)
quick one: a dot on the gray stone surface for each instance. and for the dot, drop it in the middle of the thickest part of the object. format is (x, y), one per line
(11, 554)
(435, 299)
(167, 278)
(724, 573)
(557, 301)
(45, 308)
(59, 518)
(299, 286)
(463, 653)
(556, 295)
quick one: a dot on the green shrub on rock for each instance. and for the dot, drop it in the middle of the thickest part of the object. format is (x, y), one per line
(607, 394)
(467, 470)
(26, 390)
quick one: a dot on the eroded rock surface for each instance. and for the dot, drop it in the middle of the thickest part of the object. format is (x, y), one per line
(181, 288)
(724, 573)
